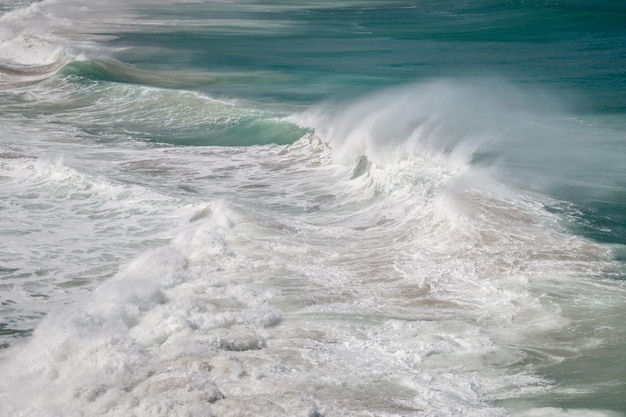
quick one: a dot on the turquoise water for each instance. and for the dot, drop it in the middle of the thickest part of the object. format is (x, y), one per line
(350, 208)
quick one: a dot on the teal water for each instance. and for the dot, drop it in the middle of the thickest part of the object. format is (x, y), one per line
(309, 52)
(312, 208)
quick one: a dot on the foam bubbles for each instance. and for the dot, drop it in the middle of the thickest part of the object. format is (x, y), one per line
(344, 274)
(362, 296)
(29, 51)
(145, 334)
(561, 412)
(67, 231)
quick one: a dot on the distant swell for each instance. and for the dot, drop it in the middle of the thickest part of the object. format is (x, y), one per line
(115, 71)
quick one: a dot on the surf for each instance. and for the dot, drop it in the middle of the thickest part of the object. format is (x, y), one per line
(237, 209)
(430, 284)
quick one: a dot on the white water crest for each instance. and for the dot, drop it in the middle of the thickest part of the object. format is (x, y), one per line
(333, 276)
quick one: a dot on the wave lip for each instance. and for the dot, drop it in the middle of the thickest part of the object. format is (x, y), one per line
(29, 52)
(24, 61)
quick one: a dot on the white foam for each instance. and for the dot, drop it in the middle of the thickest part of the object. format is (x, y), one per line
(403, 283)
(561, 412)
(440, 116)
(66, 231)
(149, 332)
(310, 313)
(38, 40)
(30, 48)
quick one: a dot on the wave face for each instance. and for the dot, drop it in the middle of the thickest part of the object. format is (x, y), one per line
(338, 208)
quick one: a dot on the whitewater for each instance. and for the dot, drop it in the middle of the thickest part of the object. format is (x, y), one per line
(337, 208)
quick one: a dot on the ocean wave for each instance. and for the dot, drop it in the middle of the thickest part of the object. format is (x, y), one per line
(524, 138)
(406, 286)
(426, 293)
(28, 61)
(414, 251)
